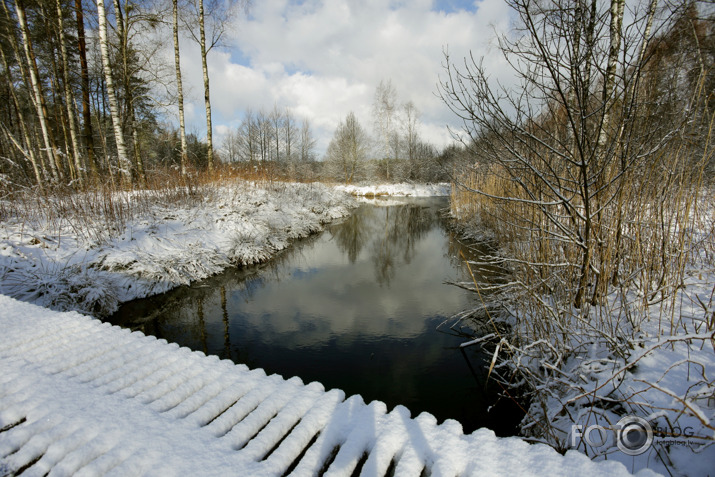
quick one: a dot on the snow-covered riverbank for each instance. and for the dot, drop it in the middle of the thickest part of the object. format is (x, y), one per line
(402, 190)
(642, 392)
(56, 261)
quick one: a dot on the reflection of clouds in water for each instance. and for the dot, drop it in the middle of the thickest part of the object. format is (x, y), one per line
(346, 301)
(378, 274)
(318, 311)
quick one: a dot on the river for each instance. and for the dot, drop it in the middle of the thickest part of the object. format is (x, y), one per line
(356, 307)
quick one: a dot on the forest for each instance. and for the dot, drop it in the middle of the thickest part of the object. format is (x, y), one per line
(88, 97)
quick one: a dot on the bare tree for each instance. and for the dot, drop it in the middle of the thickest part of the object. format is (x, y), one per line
(276, 123)
(27, 148)
(290, 134)
(347, 151)
(69, 96)
(556, 137)
(580, 171)
(249, 134)
(384, 111)
(84, 75)
(38, 98)
(232, 142)
(307, 142)
(209, 36)
(207, 95)
(411, 138)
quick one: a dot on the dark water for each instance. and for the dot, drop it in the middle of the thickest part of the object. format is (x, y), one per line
(356, 307)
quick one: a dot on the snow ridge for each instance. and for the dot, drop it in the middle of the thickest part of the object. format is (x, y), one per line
(81, 397)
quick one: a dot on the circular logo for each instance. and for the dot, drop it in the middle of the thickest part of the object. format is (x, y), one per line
(634, 435)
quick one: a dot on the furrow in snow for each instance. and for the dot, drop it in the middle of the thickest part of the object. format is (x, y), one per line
(286, 418)
(129, 368)
(269, 407)
(233, 415)
(312, 422)
(188, 388)
(208, 392)
(159, 368)
(215, 407)
(336, 430)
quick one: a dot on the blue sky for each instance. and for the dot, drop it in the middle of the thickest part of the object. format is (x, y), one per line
(324, 58)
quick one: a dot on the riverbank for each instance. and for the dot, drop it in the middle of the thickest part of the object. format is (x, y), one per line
(640, 390)
(397, 190)
(89, 252)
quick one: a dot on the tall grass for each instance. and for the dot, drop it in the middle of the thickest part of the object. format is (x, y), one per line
(103, 210)
(657, 232)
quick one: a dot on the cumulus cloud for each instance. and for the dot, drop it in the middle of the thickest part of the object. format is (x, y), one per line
(324, 58)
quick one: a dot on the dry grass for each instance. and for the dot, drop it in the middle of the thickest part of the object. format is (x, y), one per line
(649, 237)
(103, 210)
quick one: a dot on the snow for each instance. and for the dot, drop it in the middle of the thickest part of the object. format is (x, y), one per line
(663, 373)
(667, 379)
(402, 189)
(59, 265)
(80, 397)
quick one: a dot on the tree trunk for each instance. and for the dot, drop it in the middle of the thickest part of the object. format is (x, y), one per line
(207, 99)
(180, 91)
(616, 35)
(69, 102)
(37, 91)
(86, 111)
(125, 165)
(29, 151)
(123, 32)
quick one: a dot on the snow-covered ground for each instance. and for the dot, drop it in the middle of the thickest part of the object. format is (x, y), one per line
(57, 262)
(67, 262)
(403, 189)
(81, 397)
(659, 383)
(667, 379)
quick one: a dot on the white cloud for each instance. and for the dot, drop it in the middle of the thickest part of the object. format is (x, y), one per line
(323, 59)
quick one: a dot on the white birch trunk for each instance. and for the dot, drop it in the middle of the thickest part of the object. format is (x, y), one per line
(207, 98)
(125, 165)
(180, 90)
(69, 102)
(36, 91)
(614, 49)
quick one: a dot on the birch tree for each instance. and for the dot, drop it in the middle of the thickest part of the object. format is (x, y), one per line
(179, 87)
(125, 166)
(348, 150)
(307, 142)
(207, 93)
(124, 24)
(69, 96)
(38, 98)
(208, 35)
(384, 110)
(26, 148)
(84, 76)
(411, 138)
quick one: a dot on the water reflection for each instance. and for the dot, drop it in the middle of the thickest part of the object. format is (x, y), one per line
(355, 307)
